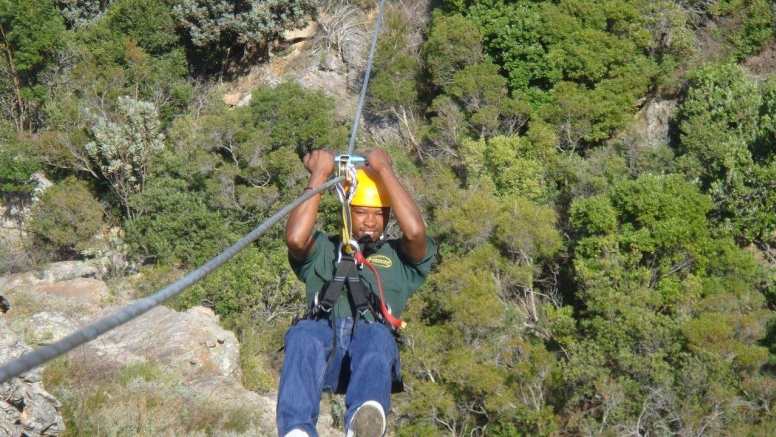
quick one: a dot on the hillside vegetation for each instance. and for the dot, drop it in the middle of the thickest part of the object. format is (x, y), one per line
(598, 273)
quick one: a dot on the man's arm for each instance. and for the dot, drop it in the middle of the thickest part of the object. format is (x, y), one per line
(299, 227)
(413, 242)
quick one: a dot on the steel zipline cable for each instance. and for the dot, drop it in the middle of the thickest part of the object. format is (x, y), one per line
(362, 97)
(46, 353)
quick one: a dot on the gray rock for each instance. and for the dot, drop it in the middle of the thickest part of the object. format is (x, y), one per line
(65, 270)
(354, 49)
(26, 408)
(92, 290)
(48, 327)
(656, 121)
(191, 343)
(53, 273)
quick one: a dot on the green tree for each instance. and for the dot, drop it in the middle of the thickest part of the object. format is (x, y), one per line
(726, 126)
(250, 156)
(31, 34)
(513, 164)
(288, 116)
(631, 243)
(228, 25)
(148, 22)
(660, 227)
(470, 357)
(176, 226)
(487, 295)
(18, 162)
(718, 121)
(657, 316)
(517, 37)
(122, 150)
(256, 284)
(473, 97)
(132, 49)
(484, 98)
(757, 29)
(453, 43)
(581, 64)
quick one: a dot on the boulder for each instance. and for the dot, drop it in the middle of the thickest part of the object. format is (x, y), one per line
(53, 273)
(92, 290)
(191, 343)
(26, 408)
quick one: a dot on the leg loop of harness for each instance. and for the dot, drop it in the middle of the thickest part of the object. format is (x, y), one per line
(364, 299)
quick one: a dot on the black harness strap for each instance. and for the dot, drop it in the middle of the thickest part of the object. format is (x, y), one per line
(347, 271)
(358, 291)
(331, 293)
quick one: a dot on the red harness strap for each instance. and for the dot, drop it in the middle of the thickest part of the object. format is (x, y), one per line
(359, 257)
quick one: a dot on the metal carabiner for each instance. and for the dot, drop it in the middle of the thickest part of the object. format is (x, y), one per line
(347, 167)
(345, 196)
(353, 245)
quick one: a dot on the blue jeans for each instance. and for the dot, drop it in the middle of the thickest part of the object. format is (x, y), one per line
(362, 368)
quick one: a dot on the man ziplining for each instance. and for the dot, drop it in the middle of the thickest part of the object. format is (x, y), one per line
(346, 343)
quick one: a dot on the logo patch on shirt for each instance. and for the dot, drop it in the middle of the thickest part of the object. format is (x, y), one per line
(380, 261)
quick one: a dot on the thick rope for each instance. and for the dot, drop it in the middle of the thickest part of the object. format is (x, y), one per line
(46, 353)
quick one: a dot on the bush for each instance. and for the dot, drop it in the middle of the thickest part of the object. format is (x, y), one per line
(66, 218)
(174, 225)
(14, 259)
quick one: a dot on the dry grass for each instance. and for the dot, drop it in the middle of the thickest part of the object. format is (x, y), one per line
(259, 357)
(141, 399)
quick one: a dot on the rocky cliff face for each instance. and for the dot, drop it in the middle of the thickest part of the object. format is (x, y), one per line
(26, 408)
(191, 347)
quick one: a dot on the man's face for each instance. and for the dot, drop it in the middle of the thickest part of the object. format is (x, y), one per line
(369, 221)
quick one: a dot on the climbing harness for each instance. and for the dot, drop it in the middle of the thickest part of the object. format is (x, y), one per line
(347, 272)
(384, 313)
(364, 299)
(350, 259)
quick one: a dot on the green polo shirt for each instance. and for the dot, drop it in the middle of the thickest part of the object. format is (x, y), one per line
(399, 276)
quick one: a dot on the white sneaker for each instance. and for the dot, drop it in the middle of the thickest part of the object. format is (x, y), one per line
(297, 433)
(369, 421)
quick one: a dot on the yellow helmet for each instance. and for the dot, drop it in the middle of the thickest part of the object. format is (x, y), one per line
(370, 190)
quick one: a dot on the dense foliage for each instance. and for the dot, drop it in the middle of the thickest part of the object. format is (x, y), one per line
(597, 274)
